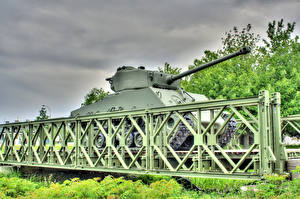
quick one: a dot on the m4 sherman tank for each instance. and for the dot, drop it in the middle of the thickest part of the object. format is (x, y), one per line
(138, 88)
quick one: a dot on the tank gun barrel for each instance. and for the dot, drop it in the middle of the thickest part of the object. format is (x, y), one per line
(242, 51)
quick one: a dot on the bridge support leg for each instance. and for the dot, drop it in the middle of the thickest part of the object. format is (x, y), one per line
(264, 131)
(278, 148)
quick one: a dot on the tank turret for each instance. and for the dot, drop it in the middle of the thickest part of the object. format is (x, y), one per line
(128, 77)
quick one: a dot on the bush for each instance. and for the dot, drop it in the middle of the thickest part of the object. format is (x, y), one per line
(110, 188)
(14, 186)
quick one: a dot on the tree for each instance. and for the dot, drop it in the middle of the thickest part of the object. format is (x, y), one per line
(272, 66)
(94, 95)
(235, 39)
(280, 72)
(43, 114)
(169, 69)
(278, 36)
(229, 79)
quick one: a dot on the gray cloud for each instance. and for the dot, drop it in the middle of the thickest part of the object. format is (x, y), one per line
(53, 52)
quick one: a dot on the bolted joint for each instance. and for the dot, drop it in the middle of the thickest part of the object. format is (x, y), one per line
(198, 140)
(275, 98)
(264, 96)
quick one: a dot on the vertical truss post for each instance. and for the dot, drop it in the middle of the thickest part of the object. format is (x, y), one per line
(64, 140)
(198, 140)
(163, 144)
(122, 143)
(11, 143)
(110, 142)
(159, 139)
(77, 136)
(5, 137)
(151, 147)
(278, 147)
(42, 138)
(30, 132)
(147, 142)
(212, 138)
(51, 143)
(263, 117)
(90, 139)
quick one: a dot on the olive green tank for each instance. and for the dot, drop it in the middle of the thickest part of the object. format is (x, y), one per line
(138, 88)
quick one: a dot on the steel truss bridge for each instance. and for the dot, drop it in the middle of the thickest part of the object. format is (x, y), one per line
(69, 143)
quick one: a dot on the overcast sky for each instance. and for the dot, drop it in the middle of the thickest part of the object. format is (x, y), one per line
(54, 52)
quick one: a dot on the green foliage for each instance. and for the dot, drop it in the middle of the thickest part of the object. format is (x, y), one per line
(69, 189)
(164, 189)
(94, 95)
(109, 188)
(277, 35)
(292, 146)
(169, 69)
(220, 186)
(275, 186)
(235, 39)
(14, 187)
(274, 66)
(276, 179)
(43, 114)
(148, 179)
(11, 174)
(297, 170)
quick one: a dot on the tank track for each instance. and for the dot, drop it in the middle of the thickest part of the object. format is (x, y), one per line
(229, 132)
(181, 136)
(181, 140)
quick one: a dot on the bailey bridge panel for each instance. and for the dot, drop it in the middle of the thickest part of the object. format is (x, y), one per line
(103, 142)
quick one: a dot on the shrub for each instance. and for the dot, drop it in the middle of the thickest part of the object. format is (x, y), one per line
(109, 188)
(14, 186)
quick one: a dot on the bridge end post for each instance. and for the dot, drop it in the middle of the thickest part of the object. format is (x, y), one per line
(278, 147)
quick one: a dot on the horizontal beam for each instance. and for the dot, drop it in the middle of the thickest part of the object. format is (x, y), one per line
(207, 105)
(244, 176)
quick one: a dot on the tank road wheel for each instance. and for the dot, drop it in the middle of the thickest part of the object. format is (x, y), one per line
(129, 140)
(100, 141)
(138, 140)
